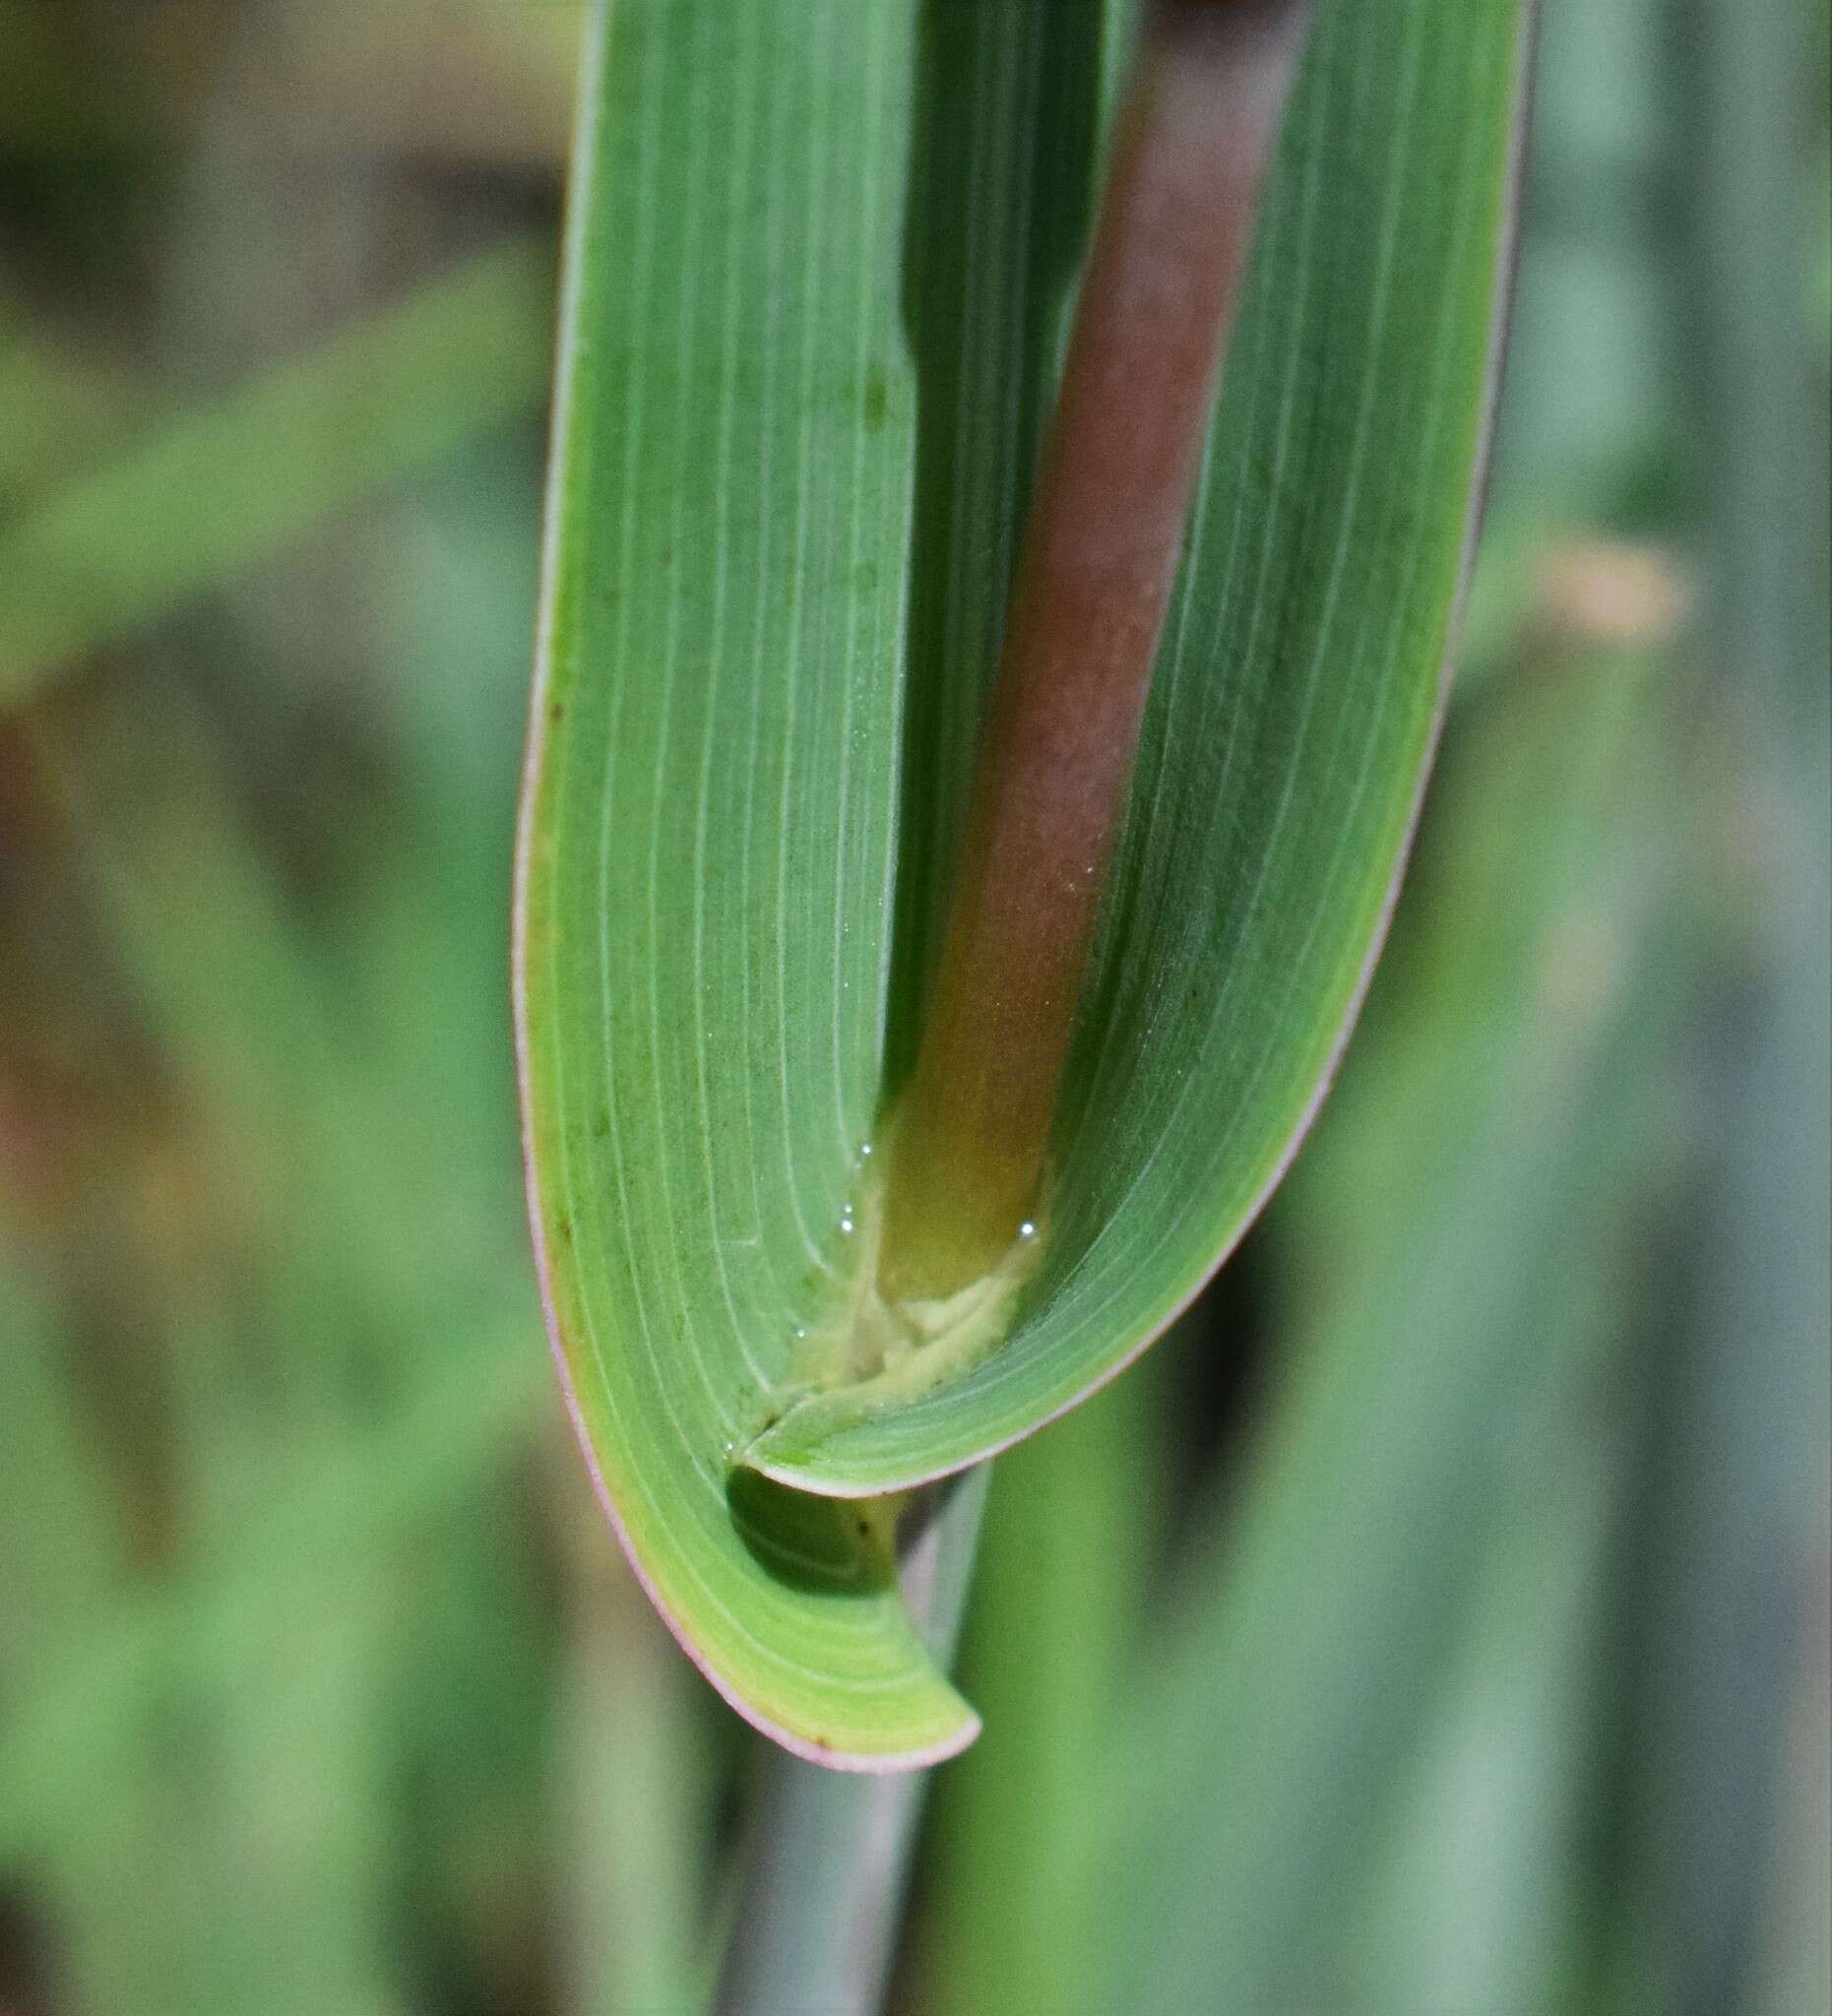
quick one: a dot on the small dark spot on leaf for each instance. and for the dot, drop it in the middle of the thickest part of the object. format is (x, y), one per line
(877, 400)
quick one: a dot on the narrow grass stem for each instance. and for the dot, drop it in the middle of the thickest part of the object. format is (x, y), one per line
(817, 1919)
(1093, 578)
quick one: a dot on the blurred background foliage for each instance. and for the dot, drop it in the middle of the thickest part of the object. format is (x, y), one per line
(1437, 1621)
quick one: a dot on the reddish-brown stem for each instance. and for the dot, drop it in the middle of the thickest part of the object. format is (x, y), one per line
(1093, 577)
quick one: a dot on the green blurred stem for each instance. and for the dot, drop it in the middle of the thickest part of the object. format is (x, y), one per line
(1014, 1917)
(817, 1919)
(1734, 1470)
(1093, 578)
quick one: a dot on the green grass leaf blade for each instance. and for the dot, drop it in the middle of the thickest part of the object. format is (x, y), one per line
(814, 279)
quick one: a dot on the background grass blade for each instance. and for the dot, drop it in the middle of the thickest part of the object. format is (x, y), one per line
(1723, 1584)
(193, 501)
(1266, 1725)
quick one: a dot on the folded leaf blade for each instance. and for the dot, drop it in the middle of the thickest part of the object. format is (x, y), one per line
(796, 411)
